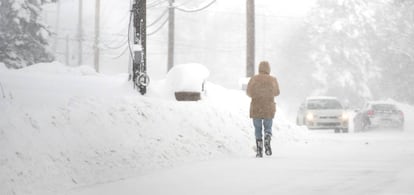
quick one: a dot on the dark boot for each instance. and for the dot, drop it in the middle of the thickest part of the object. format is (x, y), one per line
(268, 148)
(259, 148)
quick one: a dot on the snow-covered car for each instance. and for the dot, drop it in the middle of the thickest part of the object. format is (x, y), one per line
(378, 114)
(323, 113)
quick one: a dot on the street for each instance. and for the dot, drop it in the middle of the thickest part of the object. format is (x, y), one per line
(376, 162)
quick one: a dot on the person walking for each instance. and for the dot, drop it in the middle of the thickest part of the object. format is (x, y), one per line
(262, 89)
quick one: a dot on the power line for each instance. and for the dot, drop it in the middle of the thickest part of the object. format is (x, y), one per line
(197, 9)
(129, 33)
(159, 18)
(261, 15)
(159, 28)
(156, 3)
(115, 47)
(185, 2)
(122, 53)
(115, 40)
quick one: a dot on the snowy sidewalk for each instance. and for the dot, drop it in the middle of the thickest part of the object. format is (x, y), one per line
(365, 163)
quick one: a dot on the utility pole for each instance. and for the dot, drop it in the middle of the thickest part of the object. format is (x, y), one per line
(80, 36)
(250, 28)
(97, 31)
(140, 77)
(170, 62)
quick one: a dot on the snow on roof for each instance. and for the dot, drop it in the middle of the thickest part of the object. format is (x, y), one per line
(389, 101)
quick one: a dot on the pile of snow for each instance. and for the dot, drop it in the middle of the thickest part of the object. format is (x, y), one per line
(3, 67)
(63, 128)
(184, 77)
(187, 77)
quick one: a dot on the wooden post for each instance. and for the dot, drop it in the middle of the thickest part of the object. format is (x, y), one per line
(171, 16)
(250, 28)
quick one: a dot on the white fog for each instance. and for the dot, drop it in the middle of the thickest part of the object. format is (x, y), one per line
(343, 120)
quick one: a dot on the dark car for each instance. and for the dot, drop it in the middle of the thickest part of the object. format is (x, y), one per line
(379, 115)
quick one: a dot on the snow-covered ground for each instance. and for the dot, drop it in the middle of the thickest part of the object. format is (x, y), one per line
(66, 130)
(62, 128)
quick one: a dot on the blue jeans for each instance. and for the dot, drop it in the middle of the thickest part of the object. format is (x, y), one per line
(259, 124)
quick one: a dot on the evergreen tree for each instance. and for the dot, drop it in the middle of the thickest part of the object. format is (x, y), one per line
(342, 32)
(23, 36)
(397, 55)
(363, 49)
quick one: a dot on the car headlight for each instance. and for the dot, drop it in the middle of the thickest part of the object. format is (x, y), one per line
(344, 116)
(309, 116)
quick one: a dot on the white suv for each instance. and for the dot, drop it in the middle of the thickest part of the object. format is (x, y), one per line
(323, 113)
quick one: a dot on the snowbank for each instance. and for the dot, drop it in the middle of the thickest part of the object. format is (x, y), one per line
(63, 128)
(3, 67)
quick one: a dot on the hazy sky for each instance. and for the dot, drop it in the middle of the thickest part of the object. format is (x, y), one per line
(285, 7)
(114, 25)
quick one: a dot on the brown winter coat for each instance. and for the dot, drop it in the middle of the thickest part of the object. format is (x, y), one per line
(262, 88)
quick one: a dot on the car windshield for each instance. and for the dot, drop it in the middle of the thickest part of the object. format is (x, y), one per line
(383, 107)
(321, 104)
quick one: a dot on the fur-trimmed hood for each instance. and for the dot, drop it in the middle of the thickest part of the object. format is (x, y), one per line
(264, 67)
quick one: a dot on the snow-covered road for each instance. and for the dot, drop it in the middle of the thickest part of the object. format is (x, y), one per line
(357, 163)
